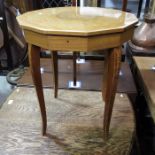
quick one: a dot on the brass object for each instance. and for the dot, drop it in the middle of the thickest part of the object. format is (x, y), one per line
(143, 40)
(144, 35)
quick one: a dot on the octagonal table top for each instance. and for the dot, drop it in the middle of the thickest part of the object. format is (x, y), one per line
(77, 21)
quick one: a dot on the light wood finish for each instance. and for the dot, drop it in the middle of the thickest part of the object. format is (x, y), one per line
(79, 29)
(147, 77)
(77, 21)
(111, 72)
(73, 43)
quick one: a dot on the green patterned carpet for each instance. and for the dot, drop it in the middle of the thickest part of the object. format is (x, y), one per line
(74, 124)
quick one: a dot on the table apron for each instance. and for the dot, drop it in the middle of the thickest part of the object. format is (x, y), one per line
(77, 43)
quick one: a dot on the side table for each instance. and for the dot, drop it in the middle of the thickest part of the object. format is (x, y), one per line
(81, 29)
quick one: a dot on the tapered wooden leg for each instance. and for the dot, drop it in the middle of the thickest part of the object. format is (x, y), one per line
(55, 72)
(74, 68)
(34, 59)
(111, 74)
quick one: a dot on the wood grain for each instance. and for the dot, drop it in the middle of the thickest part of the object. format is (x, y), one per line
(77, 21)
(34, 60)
(77, 43)
(110, 79)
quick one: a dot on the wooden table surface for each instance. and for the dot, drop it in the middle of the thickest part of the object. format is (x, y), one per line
(147, 79)
(81, 21)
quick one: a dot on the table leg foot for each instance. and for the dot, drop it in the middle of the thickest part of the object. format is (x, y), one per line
(55, 72)
(111, 74)
(34, 59)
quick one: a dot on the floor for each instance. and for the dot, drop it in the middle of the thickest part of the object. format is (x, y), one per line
(145, 134)
(74, 125)
(5, 89)
(85, 71)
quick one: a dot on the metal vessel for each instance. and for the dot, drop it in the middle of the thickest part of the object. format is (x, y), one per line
(143, 41)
